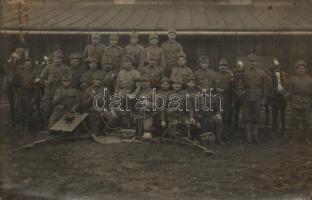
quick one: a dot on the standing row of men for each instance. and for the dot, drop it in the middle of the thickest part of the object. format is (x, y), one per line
(135, 71)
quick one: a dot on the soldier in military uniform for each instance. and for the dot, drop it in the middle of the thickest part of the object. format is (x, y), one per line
(136, 50)
(205, 75)
(277, 99)
(111, 75)
(223, 83)
(238, 92)
(172, 49)
(127, 77)
(25, 93)
(66, 100)
(95, 49)
(51, 76)
(153, 72)
(182, 71)
(76, 68)
(255, 88)
(93, 69)
(115, 52)
(153, 50)
(299, 94)
(96, 118)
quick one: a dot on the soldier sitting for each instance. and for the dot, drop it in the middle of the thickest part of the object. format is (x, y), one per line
(93, 69)
(153, 72)
(65, 100)
(76, 68)
(182, 71)
(176, 116)
(111, 75)
(98, 112)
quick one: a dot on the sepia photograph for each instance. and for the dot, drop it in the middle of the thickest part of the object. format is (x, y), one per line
(155, 99)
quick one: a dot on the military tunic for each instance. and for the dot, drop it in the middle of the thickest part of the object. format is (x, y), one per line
(171, 50)
(126, 81)
(205, 78)
(138, 53)
(154, 74)
(94, 51)
(116, 54)
(158, 53)
(182, 73)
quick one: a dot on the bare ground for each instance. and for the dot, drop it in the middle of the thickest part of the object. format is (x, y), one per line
(85, 170)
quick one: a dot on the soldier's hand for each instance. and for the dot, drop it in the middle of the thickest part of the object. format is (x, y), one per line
(163, 124)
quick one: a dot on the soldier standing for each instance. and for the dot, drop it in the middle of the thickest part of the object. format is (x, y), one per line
(113, 51)
(95, 49)
(93, 69)
(153, 50)
(26, 93)
(299, 93)
(277, 99)
(172, 49)
(136, 50)
(255, 87)
(182, 71)
(66, 100)
(205, 75)
(223, 83)
(76, 69)
(238, 96)
(51, 76)
(153, 72)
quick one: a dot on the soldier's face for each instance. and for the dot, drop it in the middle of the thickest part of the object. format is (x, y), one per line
(176, 86)
(66, 83)
(92, 65)
(28, 65)
(252, 63)
(127, 65)
(301, 70)
(19, 51)
(172, 36)
(57, 60)
(191, 84)
(145, 84)
(97, 82)
(95, 40)
(74, 62)
(165, 85)
(152, 62)
(204, 65)
(134, 40)
(181, 61)
(154, 41)
(107, 67)
(223, 68)
(84, 86)
(113, 42)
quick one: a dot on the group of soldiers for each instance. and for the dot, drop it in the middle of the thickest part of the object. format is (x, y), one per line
(135, 72)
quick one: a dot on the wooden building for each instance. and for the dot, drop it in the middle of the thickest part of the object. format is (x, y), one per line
(218, 28)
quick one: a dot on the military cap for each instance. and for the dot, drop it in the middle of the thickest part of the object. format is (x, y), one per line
(66, 77)
(223, 61)
(134, 34)
(128, 58)
(107, 60)
(113, 36)
(165, 79)
(97, 76)
(203, 59)
(177, 80)
(300, 63)
(91, 59)
(75, 55)
(181, 54)
(58, 54)
(153, 36)
(172, 30)
(252, 57)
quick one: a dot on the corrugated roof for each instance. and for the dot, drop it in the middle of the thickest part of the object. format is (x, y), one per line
(158, 17)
